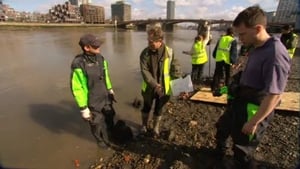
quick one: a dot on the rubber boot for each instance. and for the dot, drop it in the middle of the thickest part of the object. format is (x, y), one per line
(145, 117)
(157, 120)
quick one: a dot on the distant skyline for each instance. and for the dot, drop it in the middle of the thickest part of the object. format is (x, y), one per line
(144, 9)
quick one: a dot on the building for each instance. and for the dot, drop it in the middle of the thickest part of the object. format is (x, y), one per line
(79, 2)
(66, 12)
(286, 11)
(1, 3)
(297, 26)
(74, 2)
(271, 16)
(92, 13)
(170, 9)
(85, 2)
(120, 11)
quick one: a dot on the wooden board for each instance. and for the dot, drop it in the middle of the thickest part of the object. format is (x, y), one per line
(290, 100)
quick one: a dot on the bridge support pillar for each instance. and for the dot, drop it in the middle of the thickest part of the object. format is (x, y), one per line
(141, 27)
(168, 27)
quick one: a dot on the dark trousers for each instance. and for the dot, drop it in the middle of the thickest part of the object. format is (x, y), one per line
(159, 103)
(197, 71)
(221, 67)
(102, 123)
(231, 124)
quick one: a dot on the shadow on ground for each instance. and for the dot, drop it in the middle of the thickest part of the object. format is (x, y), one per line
(61, 118)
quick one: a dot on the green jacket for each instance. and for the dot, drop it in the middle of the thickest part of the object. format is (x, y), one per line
(90, 81)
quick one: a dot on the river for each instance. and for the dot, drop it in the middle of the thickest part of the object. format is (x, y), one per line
(41, 126)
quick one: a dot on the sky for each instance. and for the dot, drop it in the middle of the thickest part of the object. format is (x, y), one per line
(144, 9)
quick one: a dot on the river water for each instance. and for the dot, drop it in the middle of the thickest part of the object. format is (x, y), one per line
(41, 126)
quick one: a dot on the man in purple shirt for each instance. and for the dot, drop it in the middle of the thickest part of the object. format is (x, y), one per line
(259, 92)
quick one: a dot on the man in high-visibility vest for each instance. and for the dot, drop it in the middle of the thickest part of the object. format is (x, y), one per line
(289, 39)
(155, 63)
(225, 54)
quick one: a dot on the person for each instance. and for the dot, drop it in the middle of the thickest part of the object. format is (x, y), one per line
(199, 56)
(259, 90)
(92, 89)
(289, 39)
(225, 54)
(155, 62)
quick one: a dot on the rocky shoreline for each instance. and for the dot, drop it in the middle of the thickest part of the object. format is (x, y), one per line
(188, 137)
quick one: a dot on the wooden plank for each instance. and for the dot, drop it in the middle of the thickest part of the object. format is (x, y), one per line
(290, 100)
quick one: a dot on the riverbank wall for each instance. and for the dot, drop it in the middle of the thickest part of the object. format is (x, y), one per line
(15, 25)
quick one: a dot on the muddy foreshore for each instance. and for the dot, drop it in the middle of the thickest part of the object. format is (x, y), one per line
(187, 139)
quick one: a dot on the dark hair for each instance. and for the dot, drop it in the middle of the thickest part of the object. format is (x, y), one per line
(287, 27)
(251, 16)
(229, 31)
(197, 38)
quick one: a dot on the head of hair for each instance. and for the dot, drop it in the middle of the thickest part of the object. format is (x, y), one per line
(155, 33)
(250, 17)
(287, 27)
(197, 38)
(229, 31)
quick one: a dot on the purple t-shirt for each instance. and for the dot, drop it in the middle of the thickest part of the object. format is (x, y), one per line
(268, 67)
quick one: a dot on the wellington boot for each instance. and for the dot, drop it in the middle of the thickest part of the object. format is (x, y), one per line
(144, 128)
(157, 120)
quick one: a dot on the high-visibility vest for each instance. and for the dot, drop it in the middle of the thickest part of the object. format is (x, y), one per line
(199, 55)
(292, 50)
(166, 71)
(223, 50)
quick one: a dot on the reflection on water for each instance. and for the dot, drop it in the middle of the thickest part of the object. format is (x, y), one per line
(34, 73)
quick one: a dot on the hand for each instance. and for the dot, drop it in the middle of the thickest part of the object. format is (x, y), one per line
(159, 90)
(86, 114)
(249, 128)
(186, 52)
(111, 97)
(208, 27)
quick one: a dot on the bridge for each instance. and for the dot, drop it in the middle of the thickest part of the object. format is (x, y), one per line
(168, 24)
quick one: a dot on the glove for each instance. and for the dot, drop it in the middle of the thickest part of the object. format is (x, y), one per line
(86, 114)
(111, 96)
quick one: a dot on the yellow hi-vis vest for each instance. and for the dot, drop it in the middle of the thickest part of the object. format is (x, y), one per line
(166, 71)
(199, 55)
(223, 50)
(292, 50)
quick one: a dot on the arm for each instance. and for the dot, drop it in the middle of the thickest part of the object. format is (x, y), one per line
(233, 52)
(207, 36)
(276, 73)
(79, 87)
(107, 80)
(145, 69)
(214, 54)
(267, 106)
(292, 42)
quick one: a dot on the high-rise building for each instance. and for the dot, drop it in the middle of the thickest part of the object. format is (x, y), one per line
(1, 3)
(286, 11)
(74, 2)
(120, 11)
(92, 13)
(170, 9)
(79, 2)
(270, 16)
(297, 26)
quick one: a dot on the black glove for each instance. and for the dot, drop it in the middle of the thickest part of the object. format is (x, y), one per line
(112, 97)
